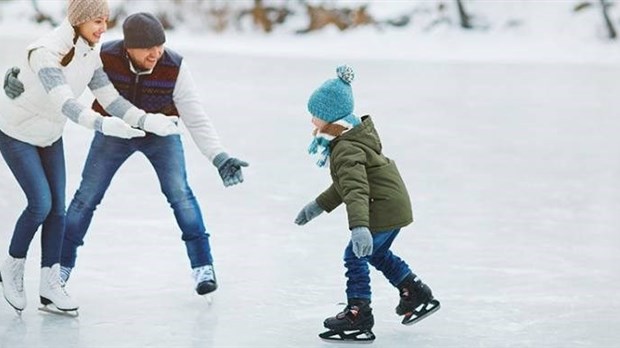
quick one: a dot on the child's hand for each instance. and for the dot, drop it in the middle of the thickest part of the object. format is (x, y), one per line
(361, 239)
(307, 213)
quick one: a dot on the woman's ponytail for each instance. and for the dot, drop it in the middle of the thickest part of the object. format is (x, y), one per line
(69, 56)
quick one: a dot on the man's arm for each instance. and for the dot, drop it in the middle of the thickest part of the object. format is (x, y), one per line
(194, 116)
(202, 129)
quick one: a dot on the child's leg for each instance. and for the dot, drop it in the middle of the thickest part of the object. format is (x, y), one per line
(358, 275)
(416, 298)
(356, 320)
(392, 266)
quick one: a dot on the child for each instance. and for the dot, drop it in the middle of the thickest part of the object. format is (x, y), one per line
(377, 204)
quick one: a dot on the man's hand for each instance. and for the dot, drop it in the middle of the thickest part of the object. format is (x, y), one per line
(229, 169)
(13, 87)
(159, 124)
(114, 126)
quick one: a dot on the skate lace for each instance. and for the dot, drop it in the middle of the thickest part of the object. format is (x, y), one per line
(63, 290)
(203, 273)
(404, 293)
(58, 285)
(350, 312)
(17, 269)
(54, 281)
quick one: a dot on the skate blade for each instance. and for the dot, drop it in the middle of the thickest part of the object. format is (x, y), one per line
(208, 298)
(414, 317)
(361, 336)
(54, 310)
(17, 310)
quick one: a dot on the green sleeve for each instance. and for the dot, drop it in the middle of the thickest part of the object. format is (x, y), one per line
(350, 169)
(329, 199)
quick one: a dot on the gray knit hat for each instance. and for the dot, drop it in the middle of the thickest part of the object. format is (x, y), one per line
(143, 30)
(82, 11)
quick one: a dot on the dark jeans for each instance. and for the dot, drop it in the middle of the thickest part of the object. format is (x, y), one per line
(358, 273)
(166, 155)
(40, 172)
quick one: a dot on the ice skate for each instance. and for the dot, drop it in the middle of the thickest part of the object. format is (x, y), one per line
(416, 301)
(354, 323)
(12, 279)
(53, 295)
(204, 277)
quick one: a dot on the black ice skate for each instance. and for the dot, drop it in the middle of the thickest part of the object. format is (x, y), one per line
(416, 301)
(354, 323)
(204, 276)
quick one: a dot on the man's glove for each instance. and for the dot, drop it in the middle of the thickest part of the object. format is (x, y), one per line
(114, 126)
(229, 169)
(159, 124)
(13, 87)
(307, 213)
(361, 238)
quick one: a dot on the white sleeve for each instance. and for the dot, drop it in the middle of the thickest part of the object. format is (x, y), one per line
(46, 66)
(193, 115)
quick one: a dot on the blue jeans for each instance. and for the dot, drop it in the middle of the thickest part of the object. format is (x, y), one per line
(105, 157)
(40, 172)
(358, 274)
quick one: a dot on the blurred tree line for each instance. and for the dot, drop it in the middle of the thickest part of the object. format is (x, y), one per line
(603, 6)
(268, 15)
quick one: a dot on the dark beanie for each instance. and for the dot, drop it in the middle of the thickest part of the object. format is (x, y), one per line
(143, 30)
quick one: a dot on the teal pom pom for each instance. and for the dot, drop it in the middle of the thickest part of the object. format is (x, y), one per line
(345, 73)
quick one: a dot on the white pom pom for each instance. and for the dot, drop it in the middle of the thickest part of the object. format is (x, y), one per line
(345, 73)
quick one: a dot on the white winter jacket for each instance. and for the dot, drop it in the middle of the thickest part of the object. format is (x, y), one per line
(38, 115)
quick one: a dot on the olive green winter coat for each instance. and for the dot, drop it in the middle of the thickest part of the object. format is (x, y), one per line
(366, 181)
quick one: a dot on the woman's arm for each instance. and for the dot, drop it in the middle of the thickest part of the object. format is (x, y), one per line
(116, 105)
(46, 66)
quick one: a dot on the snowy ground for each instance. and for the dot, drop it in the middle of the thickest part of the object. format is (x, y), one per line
(513, 169)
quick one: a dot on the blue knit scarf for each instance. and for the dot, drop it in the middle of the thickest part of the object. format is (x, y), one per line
(324, 136)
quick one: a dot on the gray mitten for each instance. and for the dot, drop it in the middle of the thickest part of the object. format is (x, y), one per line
(361, 238)
(13, 87)
(307, 213)
(229, 169)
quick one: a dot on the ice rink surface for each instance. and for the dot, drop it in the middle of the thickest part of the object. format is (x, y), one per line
(514, 173)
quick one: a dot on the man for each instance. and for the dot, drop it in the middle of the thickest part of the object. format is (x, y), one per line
(155, 79)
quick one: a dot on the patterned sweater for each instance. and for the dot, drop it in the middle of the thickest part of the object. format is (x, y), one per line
(168, 89)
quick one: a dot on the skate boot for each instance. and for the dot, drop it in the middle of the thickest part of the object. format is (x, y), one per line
(204, 277)
(12, 279)
(416, 300)
(52, 292)
(354, 323)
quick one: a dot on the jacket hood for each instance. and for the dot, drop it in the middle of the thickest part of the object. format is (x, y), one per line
(365, 134)
(59, 40)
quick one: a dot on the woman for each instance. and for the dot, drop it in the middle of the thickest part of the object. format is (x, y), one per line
(57, 68)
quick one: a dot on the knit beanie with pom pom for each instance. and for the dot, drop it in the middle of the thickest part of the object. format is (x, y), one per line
(333, 100)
